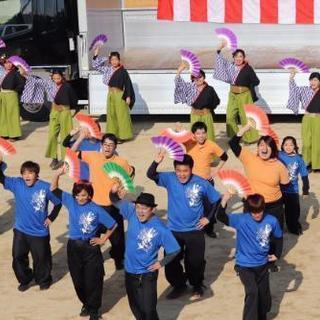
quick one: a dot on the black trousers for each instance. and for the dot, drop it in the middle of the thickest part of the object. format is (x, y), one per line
(86, 269)
(276, 209)
(117, 238)
(142, 295)
(257, 302)
(41, 255)
(292, 212)
(192, 245)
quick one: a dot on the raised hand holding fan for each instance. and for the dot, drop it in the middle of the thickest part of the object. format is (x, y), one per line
(2, 43)
(174, 149)
(19, 62)
(257, 117)
(295, 64)
(119, 175)
(7, 148)
(181, 136)
(73, 165)
(227, 36)
(98, 41)
(192, 60)
(235, 182)
(87, 122)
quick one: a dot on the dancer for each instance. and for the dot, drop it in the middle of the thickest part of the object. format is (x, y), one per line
(31, 226)
(121, 97)
(295, 165)
(255, 227)
(11, 85)
(243, 81)
(102, 184)
(203, 152)
(145, 236)
(84, 255)
(186, 195)
(199, 95)
(309, 97)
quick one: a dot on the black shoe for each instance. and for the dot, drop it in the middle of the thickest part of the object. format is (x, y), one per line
(211, 234)
(23, 287)
(119, 265)
(274, 268)
(84, 312)
(53, 163)
(58, 165)
(95, 316)
(45, 286)
(176, 292)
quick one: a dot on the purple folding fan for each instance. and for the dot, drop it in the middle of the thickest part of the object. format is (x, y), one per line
(174, 149)
(2, 43)
(192, 60)
(227, 35)
(19, 62)
(293, 63)
(99, 40)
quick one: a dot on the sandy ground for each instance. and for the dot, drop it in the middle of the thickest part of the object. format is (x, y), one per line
(294, 289)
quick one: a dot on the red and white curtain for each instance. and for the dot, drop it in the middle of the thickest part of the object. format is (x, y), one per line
(241, 11)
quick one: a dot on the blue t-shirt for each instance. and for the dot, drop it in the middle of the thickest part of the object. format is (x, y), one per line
(185, 200)
(84, 219)
(144, 240)
(253, 238)
(295, 166)
(31, 205)
(88, 145)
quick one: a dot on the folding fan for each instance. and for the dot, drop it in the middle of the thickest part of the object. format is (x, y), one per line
(73, 163)
(87, 122)
(99, 40)
(117, 173)
(174, 149)
(293, 63)
(192, 60)
(177, 136)
(19, 62)
(2, 43)
(227, 35)
(270, 132)
(257, 117)
(235, 182)
(6, 148)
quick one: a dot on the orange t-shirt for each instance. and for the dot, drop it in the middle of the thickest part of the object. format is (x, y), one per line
(265, 176)
(101, 183)
(202, 155)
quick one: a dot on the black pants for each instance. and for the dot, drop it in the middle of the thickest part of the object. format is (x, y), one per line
(292, 212)
(86, 269)
(192, 245)
(41, 255)
(277, 210)
(117, 238)
(142, 295)
(257, 302)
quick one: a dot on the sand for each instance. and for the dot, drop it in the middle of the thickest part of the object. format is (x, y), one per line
(294, 289)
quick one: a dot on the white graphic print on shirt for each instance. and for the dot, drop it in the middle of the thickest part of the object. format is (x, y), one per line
(85, 221)
(39, 200)
(263, 235)
(193, 194)
(145, 238)
(293, 170)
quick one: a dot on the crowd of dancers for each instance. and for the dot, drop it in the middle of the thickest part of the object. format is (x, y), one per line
(97, 206)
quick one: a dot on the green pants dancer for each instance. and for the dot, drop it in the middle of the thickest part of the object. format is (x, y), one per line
(9, 114)
(118, 116)
(60, 123)
(206, 117)
(236, 113)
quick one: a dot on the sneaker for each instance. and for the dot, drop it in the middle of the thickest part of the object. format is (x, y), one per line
(45, 286)
(95, 316)
(197, 293)
(84, 312)
(53, 163)
(23, 287)
(176, 292)
(119, 265)
(211, 234)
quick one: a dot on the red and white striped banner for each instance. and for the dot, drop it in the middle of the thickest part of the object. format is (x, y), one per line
(241, 11)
